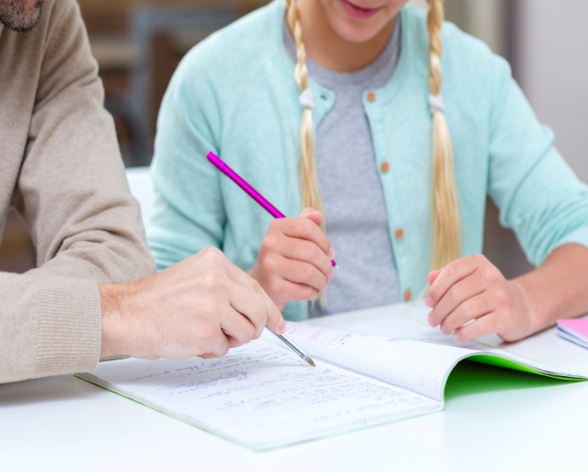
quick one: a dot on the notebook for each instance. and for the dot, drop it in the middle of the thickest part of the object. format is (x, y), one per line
(262, 396)
(575, 330)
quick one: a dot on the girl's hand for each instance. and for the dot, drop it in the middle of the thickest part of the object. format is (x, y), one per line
(294, 261)
(471, 288)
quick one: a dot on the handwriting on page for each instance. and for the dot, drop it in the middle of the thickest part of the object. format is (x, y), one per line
(416, 366)
(259, 388)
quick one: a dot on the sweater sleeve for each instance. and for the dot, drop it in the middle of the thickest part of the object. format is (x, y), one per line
(85, 225)
(189, 213)
(538, 194)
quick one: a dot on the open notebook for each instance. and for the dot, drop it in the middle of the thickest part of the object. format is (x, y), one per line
(263, 396)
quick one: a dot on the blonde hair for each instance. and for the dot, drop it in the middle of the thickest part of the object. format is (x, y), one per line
(445, 217)
(446, 235)
(311, 195)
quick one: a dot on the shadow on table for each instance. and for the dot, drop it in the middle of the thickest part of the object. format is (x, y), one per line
(53, 389)
(470, 377)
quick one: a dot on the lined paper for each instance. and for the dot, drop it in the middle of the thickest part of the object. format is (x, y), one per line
(261, 395)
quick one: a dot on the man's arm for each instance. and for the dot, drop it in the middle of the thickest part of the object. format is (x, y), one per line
(85, 225)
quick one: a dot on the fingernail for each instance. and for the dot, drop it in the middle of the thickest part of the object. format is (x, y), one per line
(432, 321)
(282, 324)
(457, 336)
(443, 329)
(429, 302)
(330, 278)
(331, 254)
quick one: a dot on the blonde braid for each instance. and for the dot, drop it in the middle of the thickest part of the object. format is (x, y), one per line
(445, 207)
(311, 196)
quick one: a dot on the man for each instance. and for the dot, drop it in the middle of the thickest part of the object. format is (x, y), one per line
(60, 168)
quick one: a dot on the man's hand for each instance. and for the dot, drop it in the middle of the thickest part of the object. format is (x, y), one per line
(294, 261)
(201, 306)
(472, 289)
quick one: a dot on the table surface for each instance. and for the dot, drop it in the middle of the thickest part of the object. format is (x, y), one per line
(494, 419)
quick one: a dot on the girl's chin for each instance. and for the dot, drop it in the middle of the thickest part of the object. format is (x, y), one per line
(354, 33)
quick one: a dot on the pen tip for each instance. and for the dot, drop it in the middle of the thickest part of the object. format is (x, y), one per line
(310, 361)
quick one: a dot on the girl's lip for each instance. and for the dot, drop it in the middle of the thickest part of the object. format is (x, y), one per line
(359, 12)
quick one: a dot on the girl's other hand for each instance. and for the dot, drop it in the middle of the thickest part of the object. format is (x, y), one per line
(294, 261)
(473, 289)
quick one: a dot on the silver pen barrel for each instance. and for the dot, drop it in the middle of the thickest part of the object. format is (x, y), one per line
(299, 352)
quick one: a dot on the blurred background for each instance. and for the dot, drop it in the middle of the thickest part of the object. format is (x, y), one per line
(139, 43)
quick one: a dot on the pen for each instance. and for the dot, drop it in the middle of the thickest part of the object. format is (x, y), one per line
(225, 169)
(299, 352)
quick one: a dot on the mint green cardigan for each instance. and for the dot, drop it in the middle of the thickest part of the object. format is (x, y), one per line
(235, 94)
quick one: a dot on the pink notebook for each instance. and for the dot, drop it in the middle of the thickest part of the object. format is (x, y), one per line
(574, 330)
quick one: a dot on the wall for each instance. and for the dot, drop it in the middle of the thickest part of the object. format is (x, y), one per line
(550, 49)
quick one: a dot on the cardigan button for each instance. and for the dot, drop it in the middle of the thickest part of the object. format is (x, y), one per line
(384, 167)
(407, 295)
(399, 233)
(371, 96)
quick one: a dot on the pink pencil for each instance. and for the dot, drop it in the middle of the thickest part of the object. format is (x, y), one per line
(230, 173)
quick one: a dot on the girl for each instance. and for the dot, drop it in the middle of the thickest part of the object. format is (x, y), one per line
(393, 125)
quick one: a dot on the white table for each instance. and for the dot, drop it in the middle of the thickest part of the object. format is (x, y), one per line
(521, 422)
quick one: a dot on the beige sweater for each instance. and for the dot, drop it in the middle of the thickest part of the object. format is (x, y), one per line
(60, 167)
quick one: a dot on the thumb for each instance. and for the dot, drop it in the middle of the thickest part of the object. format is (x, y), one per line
(313, 215)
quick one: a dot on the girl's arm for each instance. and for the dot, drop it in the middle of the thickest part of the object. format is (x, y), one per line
(188, 213)
(543, 201)
(472, 288)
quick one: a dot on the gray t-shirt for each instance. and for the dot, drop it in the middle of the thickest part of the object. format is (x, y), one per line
(355, 211)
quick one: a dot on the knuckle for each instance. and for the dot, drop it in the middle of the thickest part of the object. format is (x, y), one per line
(276, 224)
(501, 297)
(214, 279)
(256, 288)
(473, 306)
(258, 316)
(257, 333)
(214, 307)
(208, 332)
(271, 242)
(212, 253)
(270, 264)
(249, 333)
(489, 273)
(318, 254)
(477, 258)
(275, 285)
(307, 272)
(307, 227)
(456, 293)
(451, 270)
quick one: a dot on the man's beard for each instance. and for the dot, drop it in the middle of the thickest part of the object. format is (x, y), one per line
(18, 16)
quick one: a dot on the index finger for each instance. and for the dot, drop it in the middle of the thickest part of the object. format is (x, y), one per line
(304, 228)
(275, 321)
(449, 276)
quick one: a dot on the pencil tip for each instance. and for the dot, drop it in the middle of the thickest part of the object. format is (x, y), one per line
(310, 361)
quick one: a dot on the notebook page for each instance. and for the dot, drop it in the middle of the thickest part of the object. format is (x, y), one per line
(419, 367)
(261, 395)
(409, 321)
(426, 334)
